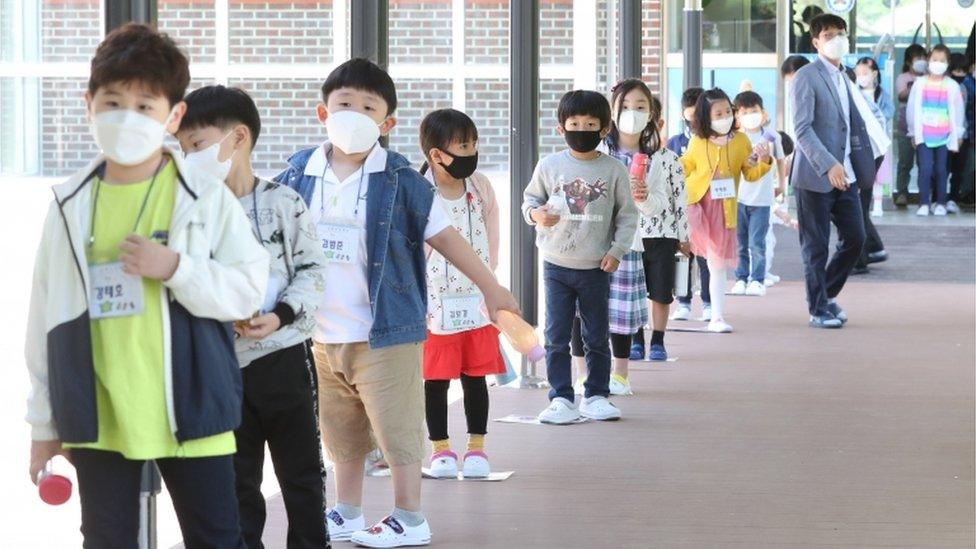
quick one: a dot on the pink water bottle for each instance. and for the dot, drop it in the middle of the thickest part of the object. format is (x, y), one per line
(520, 335)
(638, 167)
(54, 489)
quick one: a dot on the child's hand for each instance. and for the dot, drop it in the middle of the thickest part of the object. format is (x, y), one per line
(542, 217)
(143, 257)
(794, 224)
(498, 299)
(41, 452)
(261, 327)
(609, 264)
(638, 190)
(762, 152)
(685, 248)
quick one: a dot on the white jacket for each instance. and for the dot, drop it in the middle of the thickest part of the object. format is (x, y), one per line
(222, 275)
(957, 112)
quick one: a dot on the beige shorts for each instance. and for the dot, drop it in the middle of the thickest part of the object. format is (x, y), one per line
(366, 393)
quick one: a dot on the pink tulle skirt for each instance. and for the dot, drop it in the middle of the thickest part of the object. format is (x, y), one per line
(708, 235)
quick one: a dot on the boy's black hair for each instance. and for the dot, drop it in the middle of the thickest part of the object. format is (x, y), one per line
(703, 112)
(137, 53)
(584, 103)
(792, 64)
(942, 48)
(222, 107)
(689, 98)
(958, 62)
(787, 142)
(442, 127)
(748, 99)
(362, 74)
(826, 21)
(911, 52)
(650, 137)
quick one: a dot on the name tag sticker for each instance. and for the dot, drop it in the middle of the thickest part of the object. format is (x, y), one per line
(340, 242)
(723, 188)
(461, 311)
(114, 293)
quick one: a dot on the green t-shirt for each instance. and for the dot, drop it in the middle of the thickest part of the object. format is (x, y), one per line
(128, 351)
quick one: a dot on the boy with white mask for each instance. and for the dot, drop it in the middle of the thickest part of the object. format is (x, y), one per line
(280, 407)
(756, 199)
(138, 273)
(375, 213)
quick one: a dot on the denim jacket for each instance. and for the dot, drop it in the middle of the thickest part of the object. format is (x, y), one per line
(397, 208)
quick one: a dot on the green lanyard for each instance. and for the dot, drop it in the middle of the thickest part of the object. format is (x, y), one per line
(142, 208)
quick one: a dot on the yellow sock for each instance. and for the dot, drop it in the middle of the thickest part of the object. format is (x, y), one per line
(441, 445)
(476, 443)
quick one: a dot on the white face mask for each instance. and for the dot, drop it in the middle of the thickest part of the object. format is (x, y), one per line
(722, 125)
(938, 68)
(751, 121)
(919, 66)
(352, 132)
(128, 137)
(865, 81)
(835, 48)
(632, 122)
(207, 161)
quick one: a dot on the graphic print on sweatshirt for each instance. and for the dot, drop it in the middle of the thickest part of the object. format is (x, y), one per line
(570, 200)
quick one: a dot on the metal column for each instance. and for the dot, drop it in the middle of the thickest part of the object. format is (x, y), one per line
(524, 151)
(369, 30)
(629, 18)
(120, 12)
(691, 43)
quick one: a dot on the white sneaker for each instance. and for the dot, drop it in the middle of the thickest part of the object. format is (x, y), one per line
(952, 207)
(939, 210)
(444, 464)
(619, 386)
(559, 412)
(922, 210)
(390, 532)
(739, 288)
(600, 409)
(476, 465)
(580, 386)
(681, 313)
(771, 280)
(341, 528)
(706, 315)
(719, 326)
(756, 288)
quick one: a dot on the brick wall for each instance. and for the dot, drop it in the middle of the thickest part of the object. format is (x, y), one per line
(300, 31)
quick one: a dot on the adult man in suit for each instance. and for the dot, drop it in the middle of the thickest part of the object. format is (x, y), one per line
(833, 154)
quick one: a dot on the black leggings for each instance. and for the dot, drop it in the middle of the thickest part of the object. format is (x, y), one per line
(475, 405)
(619, 344)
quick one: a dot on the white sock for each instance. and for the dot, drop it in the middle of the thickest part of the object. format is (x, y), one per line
(716, 285)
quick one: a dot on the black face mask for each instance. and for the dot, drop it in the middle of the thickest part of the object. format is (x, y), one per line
(461, 167)
(582, 141)
(958, 79)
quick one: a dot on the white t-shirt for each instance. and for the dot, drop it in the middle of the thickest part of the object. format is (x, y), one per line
(761, 193)
(344, 314)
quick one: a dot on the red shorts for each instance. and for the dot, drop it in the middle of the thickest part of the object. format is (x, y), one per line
(474, 353)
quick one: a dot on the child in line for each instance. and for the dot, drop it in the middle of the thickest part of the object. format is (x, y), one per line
(868, 75)
(580, 201)
(461, 342)
(915, 65)
(937, 125)
(373, 213)
(780, 214)
(218, 134)
(716, 159)
(143, 261)
(678, 144)
(634, 129)
(755, 198)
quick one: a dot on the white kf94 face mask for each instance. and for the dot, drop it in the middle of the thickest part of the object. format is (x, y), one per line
(128, 137)
(206, 160)
(352, 132)
(632, 122)
(751, 121)
(722, 126)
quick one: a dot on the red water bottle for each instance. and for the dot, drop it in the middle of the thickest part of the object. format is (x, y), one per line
(638, 167)
(54, 489)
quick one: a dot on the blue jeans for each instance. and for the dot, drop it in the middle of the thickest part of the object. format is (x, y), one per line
(566, 291)
(751, 228)
(933, 169)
